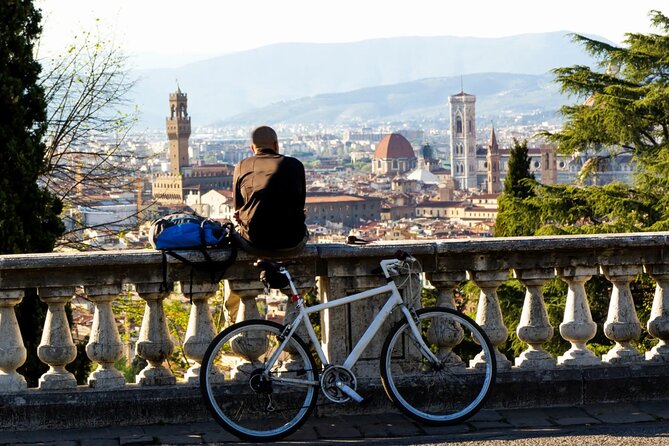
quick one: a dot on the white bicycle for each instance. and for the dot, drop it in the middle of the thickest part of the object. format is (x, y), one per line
(260, 380)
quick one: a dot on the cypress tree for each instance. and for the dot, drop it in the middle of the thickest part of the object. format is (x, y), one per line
(516, 217)
(515, 183)
(29, 214)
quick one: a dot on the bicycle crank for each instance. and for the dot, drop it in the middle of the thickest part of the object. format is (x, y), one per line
(338, 385)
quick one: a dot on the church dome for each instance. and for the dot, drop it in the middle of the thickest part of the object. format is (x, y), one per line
(394, 146)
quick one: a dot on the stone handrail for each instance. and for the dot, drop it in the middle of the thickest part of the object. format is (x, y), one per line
(337, 270)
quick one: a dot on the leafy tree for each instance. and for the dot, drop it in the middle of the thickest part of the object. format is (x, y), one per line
(624, 107)
(86, 88)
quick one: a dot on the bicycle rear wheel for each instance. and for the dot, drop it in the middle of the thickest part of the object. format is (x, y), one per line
(249, 400)
(446, 392)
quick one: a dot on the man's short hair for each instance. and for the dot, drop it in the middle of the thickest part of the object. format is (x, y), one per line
(264, 137)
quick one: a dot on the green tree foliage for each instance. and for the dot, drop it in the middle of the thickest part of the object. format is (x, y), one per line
(29, 213)
(29, 219)
(624, 107)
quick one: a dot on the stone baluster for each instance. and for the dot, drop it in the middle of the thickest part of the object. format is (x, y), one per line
(489, 315)
(155, 343)
(658, 323)
(446, 284)
(200, 331)
(247, 346)
(577, 326)
(240, 300)
(622, 324)
(56, 348)
(104, 346)
(534, 328)
(12, 350)
(247, 292)
(447, 335)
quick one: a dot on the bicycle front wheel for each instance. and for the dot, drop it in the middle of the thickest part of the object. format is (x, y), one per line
(446, 391)
(250, 398)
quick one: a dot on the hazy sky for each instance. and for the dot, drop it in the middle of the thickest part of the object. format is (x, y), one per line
(211, 27)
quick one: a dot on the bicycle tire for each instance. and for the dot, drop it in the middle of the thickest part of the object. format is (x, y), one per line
(239, 397)
(440, 394)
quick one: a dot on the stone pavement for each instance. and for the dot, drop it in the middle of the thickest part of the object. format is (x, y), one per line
(391, 428)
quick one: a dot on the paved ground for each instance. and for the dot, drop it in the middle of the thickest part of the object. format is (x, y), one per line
(604, 424)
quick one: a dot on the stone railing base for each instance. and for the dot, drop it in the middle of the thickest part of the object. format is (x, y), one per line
(143, 405)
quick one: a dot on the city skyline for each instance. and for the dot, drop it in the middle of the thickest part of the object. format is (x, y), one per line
(167, 34)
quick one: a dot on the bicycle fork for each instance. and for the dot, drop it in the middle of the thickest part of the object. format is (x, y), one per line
(412, 321)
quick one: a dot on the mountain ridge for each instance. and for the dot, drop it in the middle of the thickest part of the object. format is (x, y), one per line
(535, 97)
(236, 83)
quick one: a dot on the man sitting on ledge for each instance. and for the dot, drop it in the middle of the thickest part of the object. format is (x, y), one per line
(269, 193)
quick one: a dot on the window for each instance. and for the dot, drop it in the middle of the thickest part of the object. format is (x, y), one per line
(458, 125)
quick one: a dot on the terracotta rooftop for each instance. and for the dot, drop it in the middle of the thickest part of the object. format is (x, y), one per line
(394, 146)
(332, 198)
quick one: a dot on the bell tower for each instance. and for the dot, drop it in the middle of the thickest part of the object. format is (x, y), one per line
(178, 131)
(463, 140)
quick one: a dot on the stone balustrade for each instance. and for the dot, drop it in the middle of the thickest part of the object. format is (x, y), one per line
(335, 271)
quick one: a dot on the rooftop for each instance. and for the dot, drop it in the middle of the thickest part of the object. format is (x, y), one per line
(394, 146)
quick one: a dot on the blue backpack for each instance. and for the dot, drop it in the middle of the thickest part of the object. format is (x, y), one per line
(188, 232)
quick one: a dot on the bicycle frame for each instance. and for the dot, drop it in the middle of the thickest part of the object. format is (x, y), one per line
(395, 300)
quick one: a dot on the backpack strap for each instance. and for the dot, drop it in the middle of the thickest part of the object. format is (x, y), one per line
(165, 287)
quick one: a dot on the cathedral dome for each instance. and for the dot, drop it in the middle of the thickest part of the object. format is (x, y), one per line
(394, 146)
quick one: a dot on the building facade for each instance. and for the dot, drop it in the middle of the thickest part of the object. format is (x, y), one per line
(346, 209)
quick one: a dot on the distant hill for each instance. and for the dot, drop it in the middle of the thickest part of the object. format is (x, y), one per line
(230, 85)
(500, 97)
